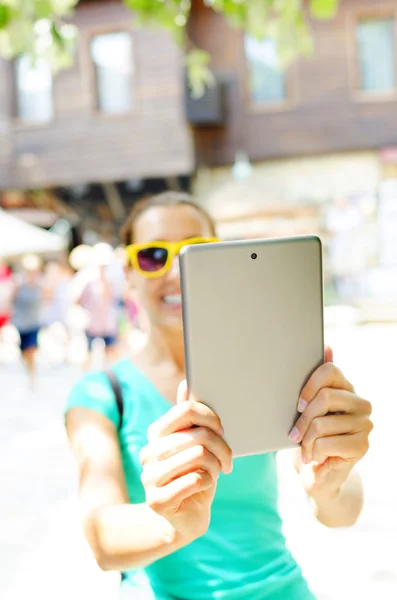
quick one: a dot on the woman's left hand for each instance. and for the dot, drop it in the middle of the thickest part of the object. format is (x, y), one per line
(333, 429)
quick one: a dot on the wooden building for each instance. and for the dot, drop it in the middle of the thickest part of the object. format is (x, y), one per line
(116, 115)
(323, 131)
(325, 128)
(343, 98)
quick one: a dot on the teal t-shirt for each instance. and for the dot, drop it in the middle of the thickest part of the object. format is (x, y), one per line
(243, 554)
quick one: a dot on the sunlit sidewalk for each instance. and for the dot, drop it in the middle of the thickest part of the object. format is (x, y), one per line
(42, 550)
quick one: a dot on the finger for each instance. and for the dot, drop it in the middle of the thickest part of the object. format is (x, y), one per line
(184, 416)
(348, 447)
(169, 497)
(182, 393)
(326, 376)
(196, 458)
(165, 447)
(329, 400)
(329, 355)
(329, 426)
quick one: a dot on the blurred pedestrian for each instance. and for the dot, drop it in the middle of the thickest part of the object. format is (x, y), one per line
(100, 289)
(56, 293)
(161, 500)
(6, 294)
(27, 301)
(57, 281)
(80, 257)
(134, 323)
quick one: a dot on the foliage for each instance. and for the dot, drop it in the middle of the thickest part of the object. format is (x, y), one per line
(37, 28)
(40, 28)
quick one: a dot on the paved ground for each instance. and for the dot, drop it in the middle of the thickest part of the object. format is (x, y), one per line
(360, 562)
(43, 555)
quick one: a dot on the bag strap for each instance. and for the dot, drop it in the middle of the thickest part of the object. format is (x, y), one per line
(118, 394)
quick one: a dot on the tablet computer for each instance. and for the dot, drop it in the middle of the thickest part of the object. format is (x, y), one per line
(253, 332)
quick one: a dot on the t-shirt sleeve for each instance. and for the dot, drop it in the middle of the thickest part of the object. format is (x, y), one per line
(94, 391)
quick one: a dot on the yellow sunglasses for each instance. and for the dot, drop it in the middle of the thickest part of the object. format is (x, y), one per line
(154, 259)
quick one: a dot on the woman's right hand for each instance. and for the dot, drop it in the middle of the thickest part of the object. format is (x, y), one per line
(181, 465)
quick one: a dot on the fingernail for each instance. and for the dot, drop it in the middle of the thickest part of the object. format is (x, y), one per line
(295, 435)
(221, 431)
(305, 459)
(301, 405)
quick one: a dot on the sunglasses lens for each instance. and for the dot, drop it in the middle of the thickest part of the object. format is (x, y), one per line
(152, 259)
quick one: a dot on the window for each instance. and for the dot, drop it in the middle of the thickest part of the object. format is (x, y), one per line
(34, 90)
(267, 82)
(112, 57)
(376, 62)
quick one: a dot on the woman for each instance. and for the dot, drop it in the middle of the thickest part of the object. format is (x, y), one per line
(161, 503)
(27, 302)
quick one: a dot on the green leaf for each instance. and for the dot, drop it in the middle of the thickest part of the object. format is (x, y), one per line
(63, 7)
(258, 19)
(287, 9)
(199, 74)
(284, 21)
(43, 9)
(324, 9)
(143, 7)
(197, 58)
(17, 38)
(305, 38)
(171, 15)
(4, 16)
(56, 35)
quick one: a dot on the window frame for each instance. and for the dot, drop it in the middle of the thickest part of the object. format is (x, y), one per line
(384, 11)
(291, 86)
(18, 121)
(90, 69)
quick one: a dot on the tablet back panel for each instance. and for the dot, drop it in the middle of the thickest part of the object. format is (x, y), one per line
(253, 333)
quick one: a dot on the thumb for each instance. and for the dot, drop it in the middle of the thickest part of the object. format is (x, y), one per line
(329, 355)
(182, 393)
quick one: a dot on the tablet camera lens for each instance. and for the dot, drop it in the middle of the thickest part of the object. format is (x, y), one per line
(254, 256)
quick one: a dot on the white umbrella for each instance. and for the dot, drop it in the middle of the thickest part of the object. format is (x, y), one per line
(19, 237)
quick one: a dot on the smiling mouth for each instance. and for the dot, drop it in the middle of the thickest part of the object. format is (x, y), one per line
(172, 300)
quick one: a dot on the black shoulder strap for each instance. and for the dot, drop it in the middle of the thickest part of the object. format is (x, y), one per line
(117, 393)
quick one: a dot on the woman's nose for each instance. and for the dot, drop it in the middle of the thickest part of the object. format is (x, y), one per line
(174, 270)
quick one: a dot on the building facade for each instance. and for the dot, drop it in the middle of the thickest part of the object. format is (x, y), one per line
(309, 148)
(264, 142)
(116, 115)
(341, 99)
(317, 130)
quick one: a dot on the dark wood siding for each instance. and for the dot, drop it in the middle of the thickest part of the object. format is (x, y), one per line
(82, 145)
(325, 113)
